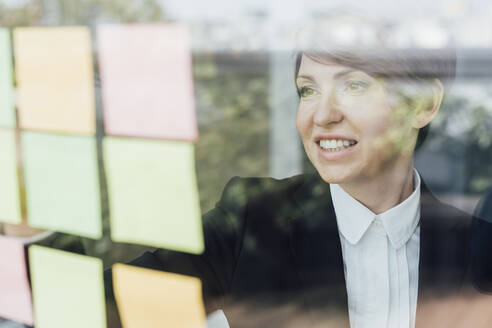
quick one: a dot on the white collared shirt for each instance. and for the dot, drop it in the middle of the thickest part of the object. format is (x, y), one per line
(381, 259)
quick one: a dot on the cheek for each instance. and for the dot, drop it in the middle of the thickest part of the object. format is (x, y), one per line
(379, 117)
(303, 123)
(376, 129)
(379, 128)
(387, 137)
(376, 116)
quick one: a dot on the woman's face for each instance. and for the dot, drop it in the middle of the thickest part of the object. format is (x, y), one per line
(351, 128)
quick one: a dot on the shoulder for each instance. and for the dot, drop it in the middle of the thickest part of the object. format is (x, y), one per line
(461, 228)
(484, 206)
(442, 216)
(481, 244)
(254, 203)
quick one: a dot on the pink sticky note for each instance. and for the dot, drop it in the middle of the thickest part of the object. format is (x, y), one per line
(15, 291)
(147, 81)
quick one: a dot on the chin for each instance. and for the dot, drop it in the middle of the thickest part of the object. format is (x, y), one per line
(332, 176)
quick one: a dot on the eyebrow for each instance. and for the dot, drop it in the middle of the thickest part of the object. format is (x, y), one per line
(336, 75)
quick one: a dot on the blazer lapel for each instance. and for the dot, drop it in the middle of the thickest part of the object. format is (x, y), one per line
(316, 251)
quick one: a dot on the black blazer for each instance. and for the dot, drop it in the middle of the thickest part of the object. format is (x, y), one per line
(481, 244)
(273, 256)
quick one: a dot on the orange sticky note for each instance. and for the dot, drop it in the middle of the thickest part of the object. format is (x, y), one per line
(15, 292)
(55, 79)
(147, 81)
(148, 298)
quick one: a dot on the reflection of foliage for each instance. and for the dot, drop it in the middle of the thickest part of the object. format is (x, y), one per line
(479, 151)
(231, 106)
(233, 121)
(473, 143)
(481, 133)
(29, 14)
(82, 12)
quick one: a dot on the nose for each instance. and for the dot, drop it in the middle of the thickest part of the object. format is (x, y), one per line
(328, 110)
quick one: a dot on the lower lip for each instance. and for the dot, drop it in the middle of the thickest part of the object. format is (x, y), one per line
(335, 155)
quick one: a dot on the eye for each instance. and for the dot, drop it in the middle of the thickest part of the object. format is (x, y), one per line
(305, 92)
(356, 86)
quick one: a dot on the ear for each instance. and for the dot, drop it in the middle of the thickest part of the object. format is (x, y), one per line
(429, 109)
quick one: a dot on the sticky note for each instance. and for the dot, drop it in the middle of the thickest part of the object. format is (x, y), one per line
(7, 113)
(146, 80)
(68, 289)
(62, 184)
(10, 209)
(15, 291)
(149, 298)
(55, 79)
(153, 197)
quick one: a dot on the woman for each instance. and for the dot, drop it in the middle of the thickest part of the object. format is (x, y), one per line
(362, 241)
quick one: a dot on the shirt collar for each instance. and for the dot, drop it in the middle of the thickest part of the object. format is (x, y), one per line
(354, 219)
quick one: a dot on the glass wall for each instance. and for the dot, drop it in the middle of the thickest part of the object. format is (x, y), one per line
(269, 99)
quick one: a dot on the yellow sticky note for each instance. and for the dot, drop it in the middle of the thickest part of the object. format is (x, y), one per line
(68, 289)
(62, 183)
(54, 73)
(7, 114)
(10, 210)
(153, 196)
(148, 298)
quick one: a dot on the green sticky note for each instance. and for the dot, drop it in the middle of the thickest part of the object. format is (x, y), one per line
(62, 183)
(9, 184)
(7, 114)
(153, 195)
(68, 289)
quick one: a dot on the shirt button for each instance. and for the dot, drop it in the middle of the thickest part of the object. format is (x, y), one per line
(377, 222)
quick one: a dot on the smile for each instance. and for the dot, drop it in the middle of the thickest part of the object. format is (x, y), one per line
(335, 145)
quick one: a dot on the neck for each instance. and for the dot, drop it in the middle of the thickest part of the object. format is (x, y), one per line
(386, 190)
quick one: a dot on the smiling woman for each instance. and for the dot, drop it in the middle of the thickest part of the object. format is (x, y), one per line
(362, 242)
(360, 132)
(355, 132)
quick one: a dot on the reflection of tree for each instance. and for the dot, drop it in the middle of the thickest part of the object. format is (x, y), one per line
(85, 11)
(232, 111)
(461, 134)
(479, 150)
(30, 14)
(472, 144)
(81, 12)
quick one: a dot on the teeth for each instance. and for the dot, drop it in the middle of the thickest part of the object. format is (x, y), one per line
(335, 145)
